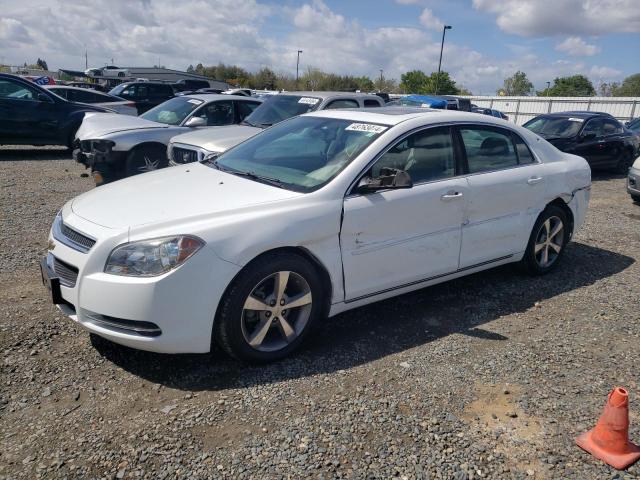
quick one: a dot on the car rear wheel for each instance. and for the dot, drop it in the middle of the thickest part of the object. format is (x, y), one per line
(624, 162)
(270, 308)
(547, 242)
(146, 159)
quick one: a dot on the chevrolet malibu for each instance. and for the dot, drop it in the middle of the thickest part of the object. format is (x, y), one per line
(314, 216)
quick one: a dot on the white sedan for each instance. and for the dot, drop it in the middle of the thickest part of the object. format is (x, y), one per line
(319, 214)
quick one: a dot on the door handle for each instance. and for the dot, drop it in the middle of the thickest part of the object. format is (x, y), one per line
(451, 196)
(534, 180)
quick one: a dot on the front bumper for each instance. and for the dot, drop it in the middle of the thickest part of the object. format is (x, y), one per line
(633, 182)
(171, 313)
(110, 164)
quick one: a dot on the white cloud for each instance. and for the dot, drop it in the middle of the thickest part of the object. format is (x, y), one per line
(604, 73)
(429, 20)
(531, 18)
(577, 47)
(241, 32)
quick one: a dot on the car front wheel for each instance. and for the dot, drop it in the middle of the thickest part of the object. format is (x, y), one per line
(548, 241)
(624, 162)
(270, 308)
(146, 159)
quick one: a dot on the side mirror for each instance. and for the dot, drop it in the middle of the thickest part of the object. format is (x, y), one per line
(587, 136)
(196, 122)
(390, 178)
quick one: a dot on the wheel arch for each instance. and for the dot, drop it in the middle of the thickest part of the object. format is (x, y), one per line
(320, 268)
(149, 143)
(560, 203)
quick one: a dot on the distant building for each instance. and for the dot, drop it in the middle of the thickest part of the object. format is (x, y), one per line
(171, 76)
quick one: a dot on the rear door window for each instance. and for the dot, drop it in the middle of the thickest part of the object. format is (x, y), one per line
(342, 103)
(594, 126)
(245, 108)
(368, 102)
(488, 149)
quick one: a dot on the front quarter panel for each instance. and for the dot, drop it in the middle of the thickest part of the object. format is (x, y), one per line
(125, 141)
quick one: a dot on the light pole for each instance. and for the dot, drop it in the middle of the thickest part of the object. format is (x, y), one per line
(548, 87)
(444, 30)
(298, 67)
(380, 87)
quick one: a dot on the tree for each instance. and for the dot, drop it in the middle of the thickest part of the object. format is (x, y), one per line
(42, 64)
(574, 86)
(630, 87)
(416, 81)
(516, 85)
(265, 78)
(190, 69)
(413, 82)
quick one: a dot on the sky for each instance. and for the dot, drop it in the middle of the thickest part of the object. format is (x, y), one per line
(489, 39)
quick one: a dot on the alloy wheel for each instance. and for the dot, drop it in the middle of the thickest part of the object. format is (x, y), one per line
(549, 242)
(276, 311)
(149, 165)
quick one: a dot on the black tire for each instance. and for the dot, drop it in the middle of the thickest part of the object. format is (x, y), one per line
(636, 198)
(624, 162)
(145, 159)
(229, 329)
(532, 261)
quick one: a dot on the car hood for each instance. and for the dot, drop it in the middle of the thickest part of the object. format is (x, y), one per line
(95, 125)
(217, 139)
(173, 194)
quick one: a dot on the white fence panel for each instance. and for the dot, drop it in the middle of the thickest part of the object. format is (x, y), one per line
(523, 109)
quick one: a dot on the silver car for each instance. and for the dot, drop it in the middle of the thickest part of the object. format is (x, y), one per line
(195, 146)
(115, 146)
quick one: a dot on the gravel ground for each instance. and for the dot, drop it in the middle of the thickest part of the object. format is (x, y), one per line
(490, 376)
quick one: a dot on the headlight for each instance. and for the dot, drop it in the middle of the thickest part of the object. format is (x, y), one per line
(149, 258)
(102, 146)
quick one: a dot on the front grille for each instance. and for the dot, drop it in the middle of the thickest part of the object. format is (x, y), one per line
(77, 237)
(183, 155)
(65, 272)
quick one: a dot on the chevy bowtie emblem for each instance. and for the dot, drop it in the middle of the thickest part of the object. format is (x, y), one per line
(51, 245)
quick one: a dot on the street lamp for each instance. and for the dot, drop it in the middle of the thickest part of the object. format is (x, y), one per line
(444, 30)
(298, 67)
(380, 88)
(548, 87)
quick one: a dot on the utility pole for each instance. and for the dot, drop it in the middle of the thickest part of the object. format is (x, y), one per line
(298, 67)
(548, 87)
(444, 30)
(380, 87)
(86, 60)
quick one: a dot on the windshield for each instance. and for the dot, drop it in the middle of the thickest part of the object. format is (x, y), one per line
(277, 108)
(555, 127)
(301, 154)
(118, 90)
(173, 111)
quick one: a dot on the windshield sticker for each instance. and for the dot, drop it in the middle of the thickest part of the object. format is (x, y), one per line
(366, 127)
(194, 101)
(572, 119)
(308, 100)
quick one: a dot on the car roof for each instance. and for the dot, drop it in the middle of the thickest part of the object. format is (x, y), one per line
(71, 87)
(208, 97)
(325, 95)
(578, 113)
(396, 115)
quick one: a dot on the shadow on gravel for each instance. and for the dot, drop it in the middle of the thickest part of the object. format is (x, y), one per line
(375, 331)
(602, 175)
(34, 154)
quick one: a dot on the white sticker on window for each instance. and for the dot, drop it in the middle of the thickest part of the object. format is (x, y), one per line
(571, 119)
(366, 127)
(194, 101)
(309, 100)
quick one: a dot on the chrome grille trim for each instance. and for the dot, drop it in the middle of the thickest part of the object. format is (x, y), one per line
(70, 237)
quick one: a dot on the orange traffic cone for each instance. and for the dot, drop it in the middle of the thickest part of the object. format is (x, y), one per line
(609, 439)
